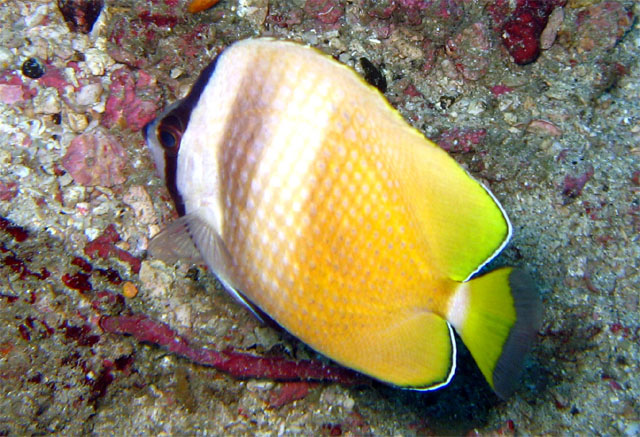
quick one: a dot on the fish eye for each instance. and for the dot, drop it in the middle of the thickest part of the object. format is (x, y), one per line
(170, 133)
(167, 138)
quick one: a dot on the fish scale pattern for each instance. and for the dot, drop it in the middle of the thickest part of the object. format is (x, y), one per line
(320, 237)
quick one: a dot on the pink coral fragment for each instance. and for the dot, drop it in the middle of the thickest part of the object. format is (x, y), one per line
(602, 25)
(469, 50)
(54, 78)
(95, 158)
(124, 106)
(13, 90)
(10, 94)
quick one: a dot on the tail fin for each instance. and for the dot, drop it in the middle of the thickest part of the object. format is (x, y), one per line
(497, 316)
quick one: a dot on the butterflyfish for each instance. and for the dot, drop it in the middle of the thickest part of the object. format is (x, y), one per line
(315, 203)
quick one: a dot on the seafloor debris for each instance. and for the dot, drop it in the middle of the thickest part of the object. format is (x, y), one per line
(461, 140)
(602, 25)
(543, 127)
(80, 15)
(373, 76)
(548, 36)
(129, 290)
(469, 51)
(33, 68)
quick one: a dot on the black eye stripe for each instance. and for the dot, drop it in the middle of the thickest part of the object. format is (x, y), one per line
(169, 130)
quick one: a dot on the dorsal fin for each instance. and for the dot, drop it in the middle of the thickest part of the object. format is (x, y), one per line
(464, 225)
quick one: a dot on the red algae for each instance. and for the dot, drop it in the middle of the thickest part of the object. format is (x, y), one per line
(9, 190)
(573, 185)
(498, 90)
(80, 334)
(104, 247)
(10, 298)
(110, 275)
(521, 32)
(160, 20)
(19, 234)
(332, 429)
(82, 263)
(100, 384)
(78, 281)
(289, 392)
(124, 105)
(236, 364)
(20, 267)
(411, 91)
(325, 11)
(24, 332)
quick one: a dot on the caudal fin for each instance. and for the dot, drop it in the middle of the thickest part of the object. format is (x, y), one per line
(497, 315)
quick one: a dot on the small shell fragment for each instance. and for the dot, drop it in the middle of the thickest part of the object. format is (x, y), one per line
(550, 32)
(201, 5)
(543, 127)
(129, 290)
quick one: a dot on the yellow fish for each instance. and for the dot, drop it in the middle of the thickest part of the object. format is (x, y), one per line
(313, 200)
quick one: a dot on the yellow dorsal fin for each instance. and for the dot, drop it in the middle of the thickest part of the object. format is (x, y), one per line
(463, 224)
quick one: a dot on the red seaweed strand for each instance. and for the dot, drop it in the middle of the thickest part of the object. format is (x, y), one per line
(104, 246)
(236, 364)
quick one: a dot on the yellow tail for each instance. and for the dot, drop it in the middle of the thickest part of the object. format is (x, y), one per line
(497, 316)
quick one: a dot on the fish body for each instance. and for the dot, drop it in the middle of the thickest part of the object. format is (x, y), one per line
(314, 201)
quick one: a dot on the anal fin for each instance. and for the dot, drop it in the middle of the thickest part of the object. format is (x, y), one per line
(416, 352)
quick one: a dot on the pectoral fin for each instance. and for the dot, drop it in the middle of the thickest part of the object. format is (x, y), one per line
(192, 239)
(175, 242)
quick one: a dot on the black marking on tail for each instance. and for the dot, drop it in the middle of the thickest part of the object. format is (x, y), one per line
(522, 335)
